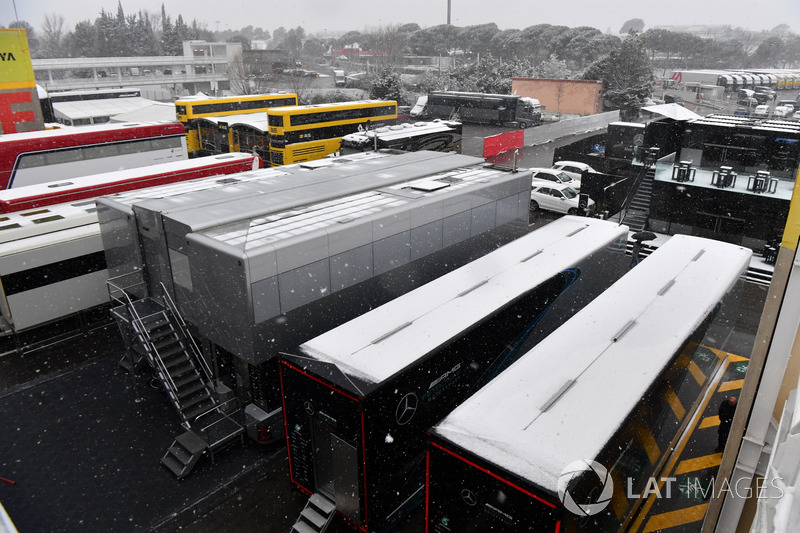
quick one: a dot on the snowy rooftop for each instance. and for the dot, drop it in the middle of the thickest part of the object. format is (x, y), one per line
(22, 227)
(266, 175)
(590, 373)
(308, 218)
(108, 179)
(255, 120)
(384, 341)
(401, 131)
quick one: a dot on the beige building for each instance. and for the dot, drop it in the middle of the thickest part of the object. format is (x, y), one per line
(572, 97)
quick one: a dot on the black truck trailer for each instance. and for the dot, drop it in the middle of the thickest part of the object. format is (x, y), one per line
(359, 398)
(480, 108)
(569, 436)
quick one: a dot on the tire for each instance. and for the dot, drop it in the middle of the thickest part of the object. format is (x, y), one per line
(534, 205)
(523, 125)
(573, 211)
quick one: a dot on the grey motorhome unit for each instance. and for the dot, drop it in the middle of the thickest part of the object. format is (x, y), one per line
(259, 267)
(604, 397)
(482, 108)
(359, 398)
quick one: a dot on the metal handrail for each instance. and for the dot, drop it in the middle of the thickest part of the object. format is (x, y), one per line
(186, 334)
(647, 165)
(136, 320)
(218, 408)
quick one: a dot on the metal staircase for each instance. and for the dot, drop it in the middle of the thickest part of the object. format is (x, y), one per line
(636, 211)
(316, 516)
(157, 334)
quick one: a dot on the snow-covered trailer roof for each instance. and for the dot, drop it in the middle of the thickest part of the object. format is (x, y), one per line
(17, 228)
(567, 397)
(155, 196)
(381, 343)
(203, 209)
(108, 180)
(401, 131)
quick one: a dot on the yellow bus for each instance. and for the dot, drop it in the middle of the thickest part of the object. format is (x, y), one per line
(190, 110)
(305, 133)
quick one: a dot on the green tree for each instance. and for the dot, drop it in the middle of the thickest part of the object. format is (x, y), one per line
(627, 76)
(636, 25)
(553, 68)
(386, 86)
(770, 53)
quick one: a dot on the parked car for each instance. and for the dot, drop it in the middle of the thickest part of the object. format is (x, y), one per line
(762, 98)
(782, 111)
(555, 176)
(740, 112)
(556, 197)
(301, 72)
(769, 91)
(748, 102)
(761, 111)
(573, 169)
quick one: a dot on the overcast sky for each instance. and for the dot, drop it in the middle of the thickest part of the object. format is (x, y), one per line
(343, 15)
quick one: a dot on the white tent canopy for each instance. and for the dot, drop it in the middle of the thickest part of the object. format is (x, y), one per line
(674, 111)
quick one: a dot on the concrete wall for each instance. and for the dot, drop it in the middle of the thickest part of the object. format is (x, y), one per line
(574, 97)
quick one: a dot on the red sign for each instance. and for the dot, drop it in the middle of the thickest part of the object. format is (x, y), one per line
(503, 142)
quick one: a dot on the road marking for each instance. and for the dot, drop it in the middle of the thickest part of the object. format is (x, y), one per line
(642, 514)
(698, 463)
(731, 385)
(697, 373)
(676, 518)
(709, 422)
(675, 403)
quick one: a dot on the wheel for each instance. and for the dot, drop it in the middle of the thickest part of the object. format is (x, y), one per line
(523, 125)
(534, 205)
(573, 211)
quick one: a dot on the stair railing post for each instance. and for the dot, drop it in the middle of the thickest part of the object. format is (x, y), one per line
(187, 335)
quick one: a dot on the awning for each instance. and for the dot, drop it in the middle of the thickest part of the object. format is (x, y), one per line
(673, 111)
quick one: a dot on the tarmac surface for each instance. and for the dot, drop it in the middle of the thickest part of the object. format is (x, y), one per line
(82, 445)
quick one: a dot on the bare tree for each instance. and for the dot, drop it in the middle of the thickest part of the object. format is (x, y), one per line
(52, 35)
(250, 73)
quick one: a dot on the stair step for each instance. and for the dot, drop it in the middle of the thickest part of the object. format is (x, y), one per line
(160, 333)
(165, 343)
(185, 379)
(173, 464)
(302, 527)
(173, 356)
(192, 442)
(322, 503)
(191, 388)
(194, 398)
(181, 454)
(184, 369)
(314, 517)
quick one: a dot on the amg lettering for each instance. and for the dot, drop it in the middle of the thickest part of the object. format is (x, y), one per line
(444, 376)
(7, 56)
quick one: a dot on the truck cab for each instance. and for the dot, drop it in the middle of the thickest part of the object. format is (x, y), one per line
(529, 112)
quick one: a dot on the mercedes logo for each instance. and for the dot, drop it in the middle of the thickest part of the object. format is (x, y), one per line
(469, 497)
(406, 408)
(309, 408)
